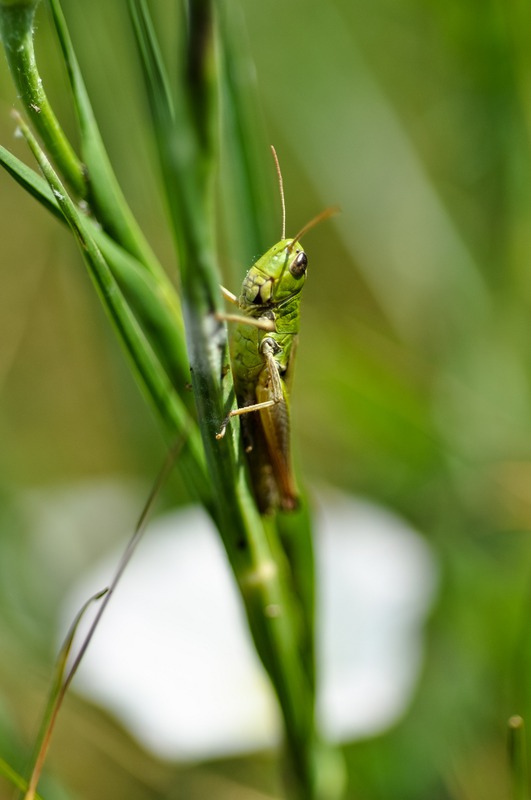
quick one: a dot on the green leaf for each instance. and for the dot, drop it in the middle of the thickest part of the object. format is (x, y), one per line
(34, 184)
(14, 778)
(105, 192)
(259, 564)
(146, 365)
(185, 158)
(247, 167)
(153, 300)
(16, 30)
(55, 699)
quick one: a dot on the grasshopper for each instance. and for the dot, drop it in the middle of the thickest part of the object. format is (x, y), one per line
(262, 349)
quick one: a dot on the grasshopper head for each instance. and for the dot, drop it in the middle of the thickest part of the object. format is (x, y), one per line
(277, 275)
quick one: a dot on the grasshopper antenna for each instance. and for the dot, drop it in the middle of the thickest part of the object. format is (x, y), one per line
(326, 214)
(281, 187)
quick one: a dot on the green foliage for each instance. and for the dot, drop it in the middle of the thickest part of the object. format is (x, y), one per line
(413, 385)
(143, 308)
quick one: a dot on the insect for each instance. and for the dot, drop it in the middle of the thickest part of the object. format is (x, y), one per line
(262, 347)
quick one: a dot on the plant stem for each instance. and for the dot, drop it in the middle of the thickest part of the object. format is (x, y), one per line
(16, 30)
(148, 369)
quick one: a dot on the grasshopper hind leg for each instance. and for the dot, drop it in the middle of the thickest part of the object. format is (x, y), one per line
(238, 412)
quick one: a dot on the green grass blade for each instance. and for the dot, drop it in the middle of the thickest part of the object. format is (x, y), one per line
(200, 76)
(153, 300)
(189, 202)
(186, 160)
(105, 192)
(63, 678)
(295, 534)
(151, 59)
(34, 184)
(147, 368)
(186, 140)
(157, 309)
(15, 779)
(249, 174)
(55, 700)
(184, 151)
(132, 545)
(250, 193)
(16, 31)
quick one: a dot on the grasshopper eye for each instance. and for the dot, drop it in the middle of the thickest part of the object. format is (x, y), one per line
(298, 268)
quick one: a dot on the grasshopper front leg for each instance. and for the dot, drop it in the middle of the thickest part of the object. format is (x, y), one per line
(262, 323)
(268, 348)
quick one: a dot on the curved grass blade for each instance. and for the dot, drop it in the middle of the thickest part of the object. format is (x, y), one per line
(257, 561)
(295, 534)
(188, 193)
(34, 184)
(15, 779)
(249, 185)
(153, 300)
(155, 75)
(146, 365)
(55, 699)
(133, 543)
(186, 152)
(184, 148)
(63, 679)
(16, 31)
(105, 190)
(251, 197)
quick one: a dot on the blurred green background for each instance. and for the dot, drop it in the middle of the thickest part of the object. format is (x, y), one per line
(413, 373)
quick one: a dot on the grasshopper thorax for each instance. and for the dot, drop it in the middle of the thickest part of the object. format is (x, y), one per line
(278, 275)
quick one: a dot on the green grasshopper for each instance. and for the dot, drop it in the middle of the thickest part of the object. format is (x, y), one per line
(262, 347)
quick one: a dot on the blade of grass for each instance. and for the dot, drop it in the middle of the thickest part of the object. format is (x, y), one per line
(249, 180)
(182, 168)
(186, 160)
(62, 678)
(132, 545)
(157, 309)
(250, 191)
(16, 31)
(156, 304)
(14, 778)
(184, 143)
(105, 192)
(153, 300)
(55, 699)
(295, 534)
(34, 184)
(186, 147)
(146, 366)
